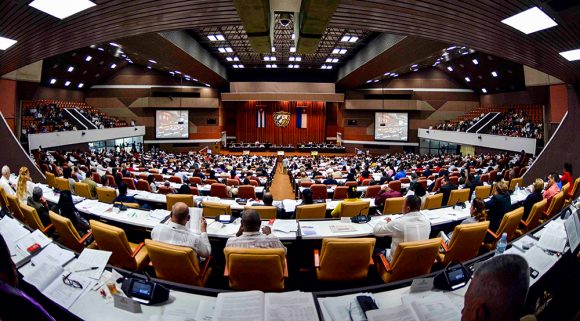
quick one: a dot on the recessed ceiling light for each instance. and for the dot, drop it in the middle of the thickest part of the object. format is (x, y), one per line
(298, 58)
(81, 85)
(376, 80)
(273, 49)
(61, 8)
(328, 67)
(475, 62)
(177, 72)
(369, 81)
(268, 66)
(353, 39)
(172, 73)
(323, 67)
(229, 49)
(290, 66)
(149, 67)
(53, 81)
(414, 66)
(6, 43)
(293, 36)
(212, 38)
(335, 51)
(236, 58)
(266, 58)
(342, 51)
(272, 58)
(451, 48)
(328, 59)
(114, 44)
(450, 68)
(241, 66)
(296, 66)
(67, 83)
(335, 60)
(220, 37)
(493, 73)
(229, 59)
(571, 55)
(221, 49)
(113, 66)
(291, 58)
(530, 21)
(152, 61)
(235, 66)
(467, 79)
(70, 69)
(100, 49)
(207, 85)
(292, 49)
(345, 38)
(274, 66)
(483, 90)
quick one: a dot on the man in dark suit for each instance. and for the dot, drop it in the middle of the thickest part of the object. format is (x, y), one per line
(40, 205)
(445, 189)
(330, 181)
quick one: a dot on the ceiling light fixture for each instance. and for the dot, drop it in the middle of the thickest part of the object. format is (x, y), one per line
(61, 8)
(450, 68)
(493, 73)
(530, 21)
(292, 49)
(53, 81)
(353, 39)
(81, 85)
(342, 51)
(414, 66)
(113, 66)
(114, 44)
(235, 66)
(6, 43)
(236, 58)
(273, 49)
(212, 38)
(467, 79)
(291, 58)
(571, 55)
(229, 49)
(345, 38)
(483, 90)
(229, 59)
(221, 49)
(475, 62)
(220, 37)
(67, 83)
(293, 36)
(149, 67)
(241, 66)
(70, 69)
(152, 61)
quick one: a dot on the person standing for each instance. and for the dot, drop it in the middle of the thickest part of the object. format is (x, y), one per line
(285, 165)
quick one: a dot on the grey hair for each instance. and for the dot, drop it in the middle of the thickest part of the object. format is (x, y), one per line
(5, 170)
(503, 282)
(36, 193)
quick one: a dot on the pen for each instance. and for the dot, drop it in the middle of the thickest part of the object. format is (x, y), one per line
(87, 269)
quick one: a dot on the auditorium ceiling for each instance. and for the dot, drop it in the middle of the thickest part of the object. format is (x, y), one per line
(473, 27)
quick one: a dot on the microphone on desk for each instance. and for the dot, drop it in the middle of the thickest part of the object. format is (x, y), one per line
(361, 218)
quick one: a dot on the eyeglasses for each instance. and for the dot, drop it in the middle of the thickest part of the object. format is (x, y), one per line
(75, 284)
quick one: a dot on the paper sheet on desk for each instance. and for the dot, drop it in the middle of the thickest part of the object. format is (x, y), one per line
(308, 230)
(159, 214)
(344, 307)
(66, 295)
(36, 237)
(552, 240)
(290, 306)
(53, 254)
(290, 205)
(435, 307)
(285, 226)
(539, 260)
(12, 230)
(90, 258)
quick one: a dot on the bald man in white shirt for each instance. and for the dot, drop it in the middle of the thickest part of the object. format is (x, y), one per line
(176, 231)
(5, 181)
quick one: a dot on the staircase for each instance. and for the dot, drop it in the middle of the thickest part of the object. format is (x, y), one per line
(487, 126)
(482, 122)
(72, 118)
(82, 118)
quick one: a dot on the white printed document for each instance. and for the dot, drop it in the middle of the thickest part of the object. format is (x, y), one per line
(431, 308)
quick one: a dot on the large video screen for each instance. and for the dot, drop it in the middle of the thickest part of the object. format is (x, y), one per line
(171, 124)
(392, 126)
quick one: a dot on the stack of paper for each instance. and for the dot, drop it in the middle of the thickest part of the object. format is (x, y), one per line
(285, 226)
(12, 231)
(344, 307)
(54, 255)
(431, 308)
(36, 237)
(90, 263)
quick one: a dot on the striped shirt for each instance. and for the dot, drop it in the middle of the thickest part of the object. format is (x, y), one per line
(255, 240)
(181, 235)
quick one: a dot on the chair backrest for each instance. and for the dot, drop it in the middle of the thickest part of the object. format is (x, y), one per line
(465, 241)
(83, 190)
(62, 184)
(492, 175)
(254, 182)
(345, 259)
(306, 184)
(565, 189)
(556, 204)
(232, 182)
(366, 182)
(194, 190)
(319, 191)
(311, 211)
(514, 182)
(395, 185)
(412, 259)
(113, 239)
(14, 205)
(482, 192)
(351, 183)
(174, 263)
(340, 192)
(3, 200)
(433, 202)
(266, 212)
(458, 195)
(111, 179)
(68, 235)
(246, 191)
(393, 205)
(143, 185)
(509, 223)
(158, 177)
(213, 209)
(210, 181)
(129, 181)
(50, 179)
(535, 215)
(31, 217)
(437, 184)
(574, 191)
(255, 269)
(484, 178)
(175, 179)
(174, 198)
(405, 180)
(454, 180)
(350, 209)
(195, 180)
(143, 176)
(165, 190)
(218, 190)
(106, 194)
(372, 191)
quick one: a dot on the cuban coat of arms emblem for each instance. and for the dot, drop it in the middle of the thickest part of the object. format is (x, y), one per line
(281, 118)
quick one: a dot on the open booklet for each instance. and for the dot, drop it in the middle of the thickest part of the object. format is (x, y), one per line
(431, 308)
(257, 305)
(57, 284)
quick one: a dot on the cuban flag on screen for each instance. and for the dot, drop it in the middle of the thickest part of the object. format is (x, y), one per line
(301, 117)
(260, 118)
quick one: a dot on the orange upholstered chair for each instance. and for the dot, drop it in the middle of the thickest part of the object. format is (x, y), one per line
(319, 191)
(218, 190)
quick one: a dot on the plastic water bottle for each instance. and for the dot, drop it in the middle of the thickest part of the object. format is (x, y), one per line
(501, 244)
